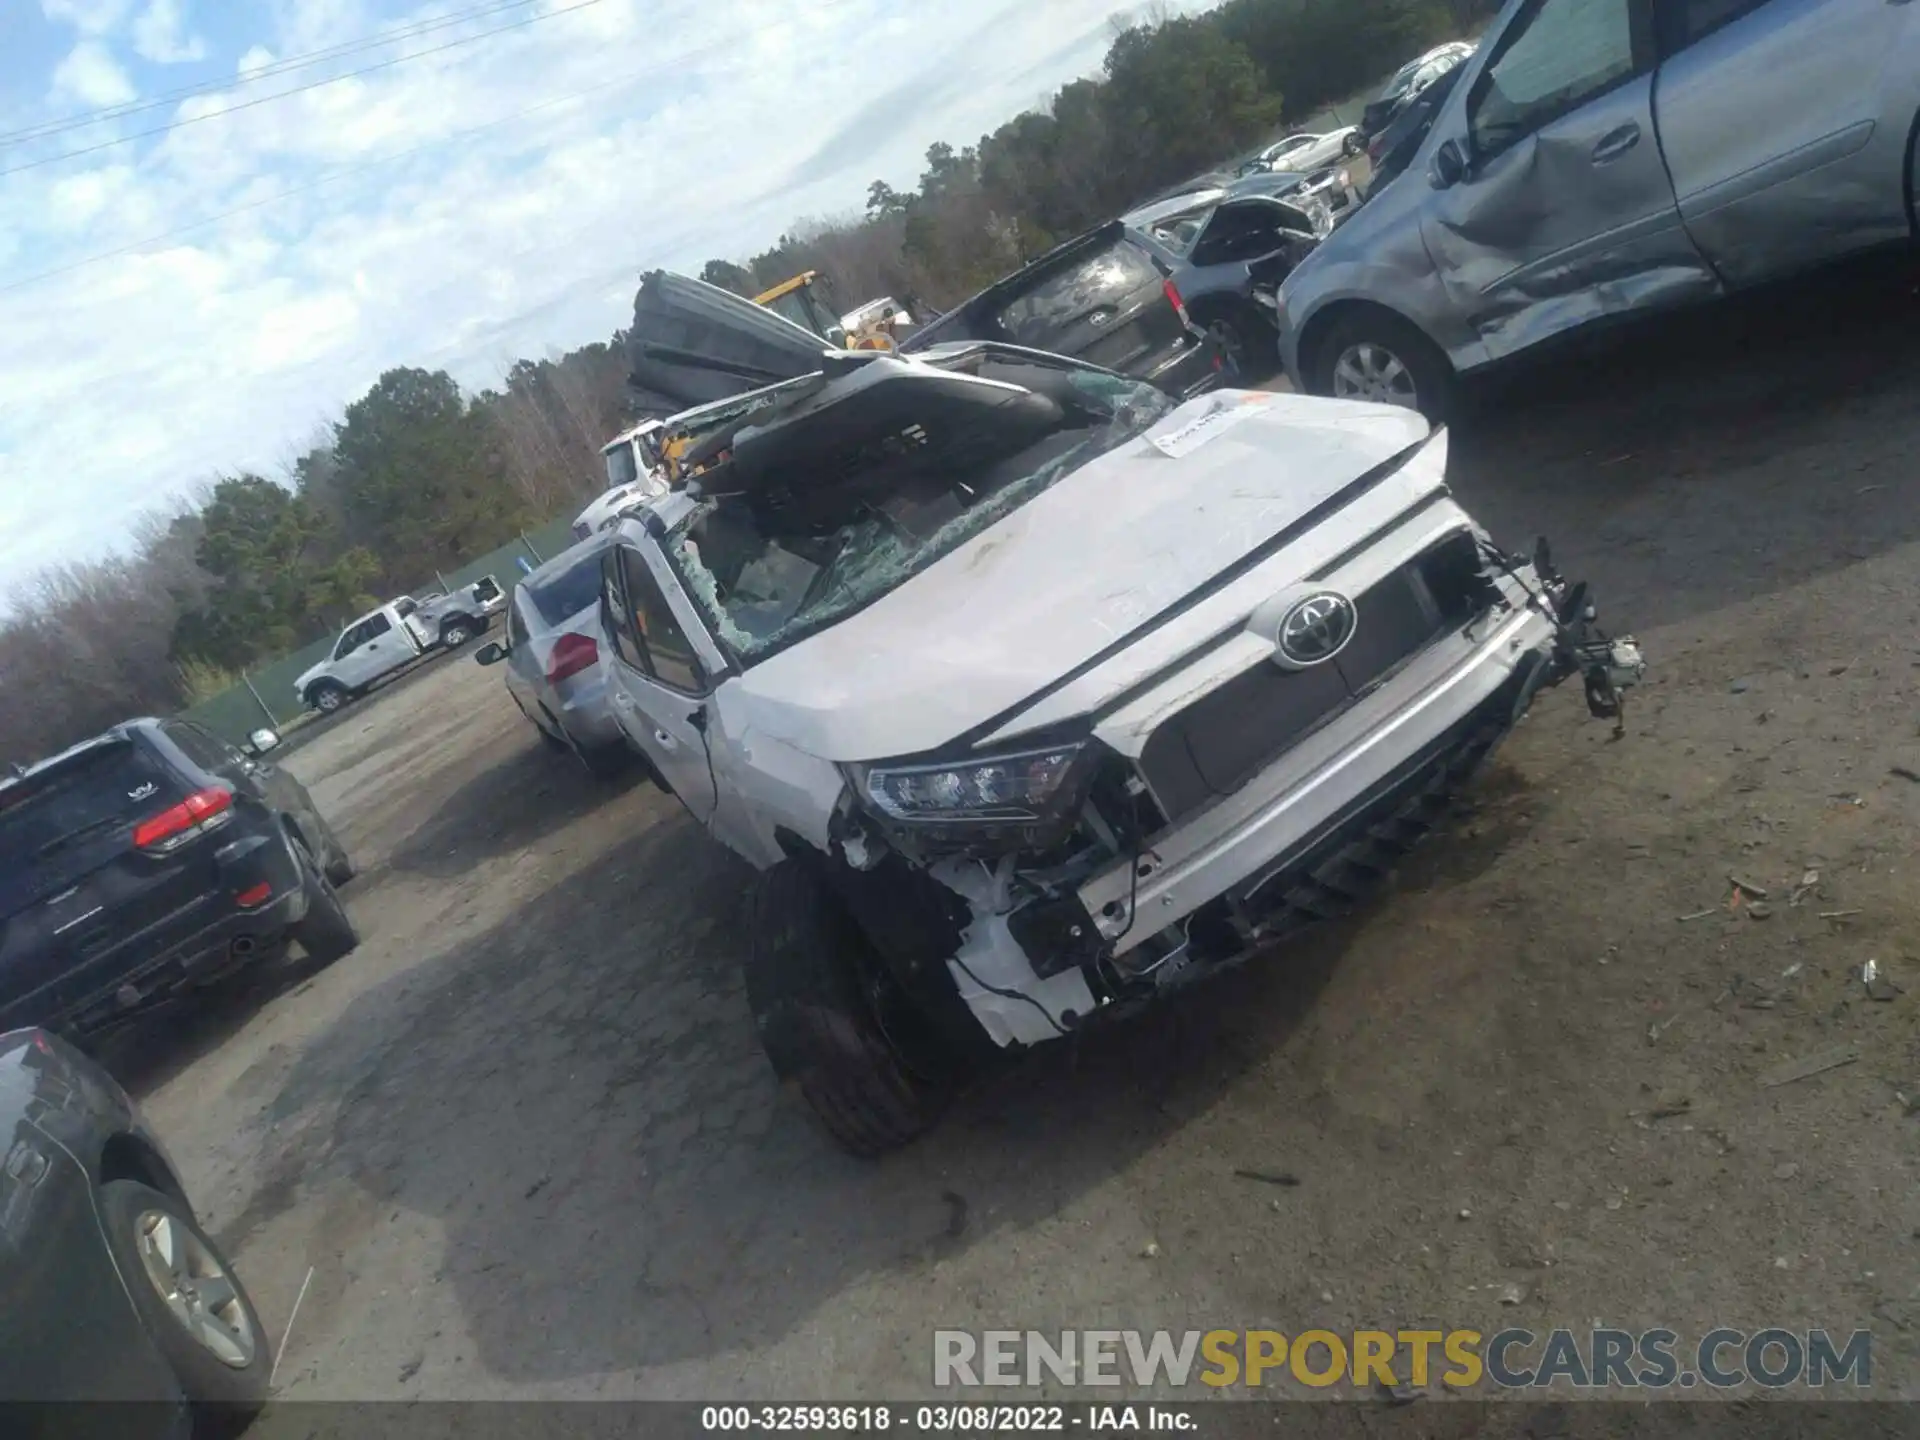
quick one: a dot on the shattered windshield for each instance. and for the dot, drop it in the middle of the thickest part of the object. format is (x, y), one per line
(766, 579)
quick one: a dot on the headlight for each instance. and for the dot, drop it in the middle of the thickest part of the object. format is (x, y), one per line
(1018, 787)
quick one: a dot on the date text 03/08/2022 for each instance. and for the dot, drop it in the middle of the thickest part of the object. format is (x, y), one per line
(962, 1419)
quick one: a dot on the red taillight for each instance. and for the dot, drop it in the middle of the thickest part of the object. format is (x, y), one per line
(171, 828)
(254, 895)
(571, 654)
(1173, 298)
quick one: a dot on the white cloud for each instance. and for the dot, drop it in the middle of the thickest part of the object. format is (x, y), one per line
(496, 201)
(160, 34)
(89, 17)
(92, 76)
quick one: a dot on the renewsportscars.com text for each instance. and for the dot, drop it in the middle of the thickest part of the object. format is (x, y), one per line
(1597, 1359)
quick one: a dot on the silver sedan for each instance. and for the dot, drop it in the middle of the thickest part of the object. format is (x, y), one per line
(1306, 151)
(1604, 157)
(554, 654)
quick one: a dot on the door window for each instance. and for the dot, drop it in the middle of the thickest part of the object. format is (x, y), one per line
(667, 654)
(350, 640)
(375, 625)
(198, 746)
(1560, 55)
(1689, 20)
(619, 618)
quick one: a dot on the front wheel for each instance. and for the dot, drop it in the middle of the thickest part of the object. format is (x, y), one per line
(327, 697)
(340, 869)
(1375, 356)
(190, 1301)
(326, 932)
(819, 995)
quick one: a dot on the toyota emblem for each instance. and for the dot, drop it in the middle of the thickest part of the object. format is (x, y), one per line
(1315, 630)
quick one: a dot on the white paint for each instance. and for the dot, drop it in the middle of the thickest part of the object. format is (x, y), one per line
(1183, 433)
(1063, 578)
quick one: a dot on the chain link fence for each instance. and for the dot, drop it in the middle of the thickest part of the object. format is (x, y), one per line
(265, 696)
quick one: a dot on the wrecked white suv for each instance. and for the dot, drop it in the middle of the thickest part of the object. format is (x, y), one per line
(1032, 693)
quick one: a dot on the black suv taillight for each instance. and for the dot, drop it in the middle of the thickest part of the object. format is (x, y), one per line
(173, 827)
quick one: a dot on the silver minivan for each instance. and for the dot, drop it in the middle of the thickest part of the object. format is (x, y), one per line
(1603, 157)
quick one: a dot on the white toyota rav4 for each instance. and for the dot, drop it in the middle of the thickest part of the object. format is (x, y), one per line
(1032, 693)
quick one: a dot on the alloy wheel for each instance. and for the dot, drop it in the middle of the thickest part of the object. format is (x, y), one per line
(195, 1287)
(1370, 371)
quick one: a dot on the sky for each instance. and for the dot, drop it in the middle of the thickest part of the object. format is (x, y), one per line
(186, 293)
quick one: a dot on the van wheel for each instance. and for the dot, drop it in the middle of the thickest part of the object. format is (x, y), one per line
(1376, 356)
(326, 932)
(193, 1306)
(327, 697)
(817, 990)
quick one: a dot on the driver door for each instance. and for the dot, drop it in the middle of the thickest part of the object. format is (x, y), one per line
(1564, 211)
(379, 648)
(657, 683)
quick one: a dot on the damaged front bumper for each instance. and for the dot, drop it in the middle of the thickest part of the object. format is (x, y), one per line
(1303, 839)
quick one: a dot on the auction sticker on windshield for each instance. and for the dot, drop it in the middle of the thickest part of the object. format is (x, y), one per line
(1222, 413)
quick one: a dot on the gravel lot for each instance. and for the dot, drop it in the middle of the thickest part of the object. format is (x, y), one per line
(526, 1143)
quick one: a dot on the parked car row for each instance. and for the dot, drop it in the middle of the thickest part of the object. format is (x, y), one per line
(138, 870)
(1594, 160)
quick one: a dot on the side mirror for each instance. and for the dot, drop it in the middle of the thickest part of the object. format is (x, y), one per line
(1449, 165)
(261, 741)
(491, 653)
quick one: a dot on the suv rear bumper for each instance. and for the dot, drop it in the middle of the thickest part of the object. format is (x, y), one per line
(1193, 369)
(190, 946)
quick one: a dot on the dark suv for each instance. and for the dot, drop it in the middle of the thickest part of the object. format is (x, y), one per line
(1101, 298)
(150, 860)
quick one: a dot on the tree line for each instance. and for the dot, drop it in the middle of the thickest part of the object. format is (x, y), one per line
(414, 478)
(417, 476)
(1176, 96)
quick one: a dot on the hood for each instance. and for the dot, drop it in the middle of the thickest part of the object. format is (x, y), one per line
(1053, 585)
(692, 343)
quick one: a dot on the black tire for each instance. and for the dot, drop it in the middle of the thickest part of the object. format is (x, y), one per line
(1248, 342)
(1430, 373)
(340, 870)
(810, 978)
(326, 931)
(225, 1395)
(607, 762)
(456, 633)
(326, 696)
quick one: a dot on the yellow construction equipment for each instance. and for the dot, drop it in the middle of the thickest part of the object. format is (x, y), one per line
(803, 300)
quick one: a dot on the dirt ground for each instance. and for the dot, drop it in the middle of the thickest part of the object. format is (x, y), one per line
(527, 1146)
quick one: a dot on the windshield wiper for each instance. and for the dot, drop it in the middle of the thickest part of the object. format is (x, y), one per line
(60, 842)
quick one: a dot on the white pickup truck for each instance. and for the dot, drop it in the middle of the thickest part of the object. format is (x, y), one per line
(393, 636)
(1034, 694)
